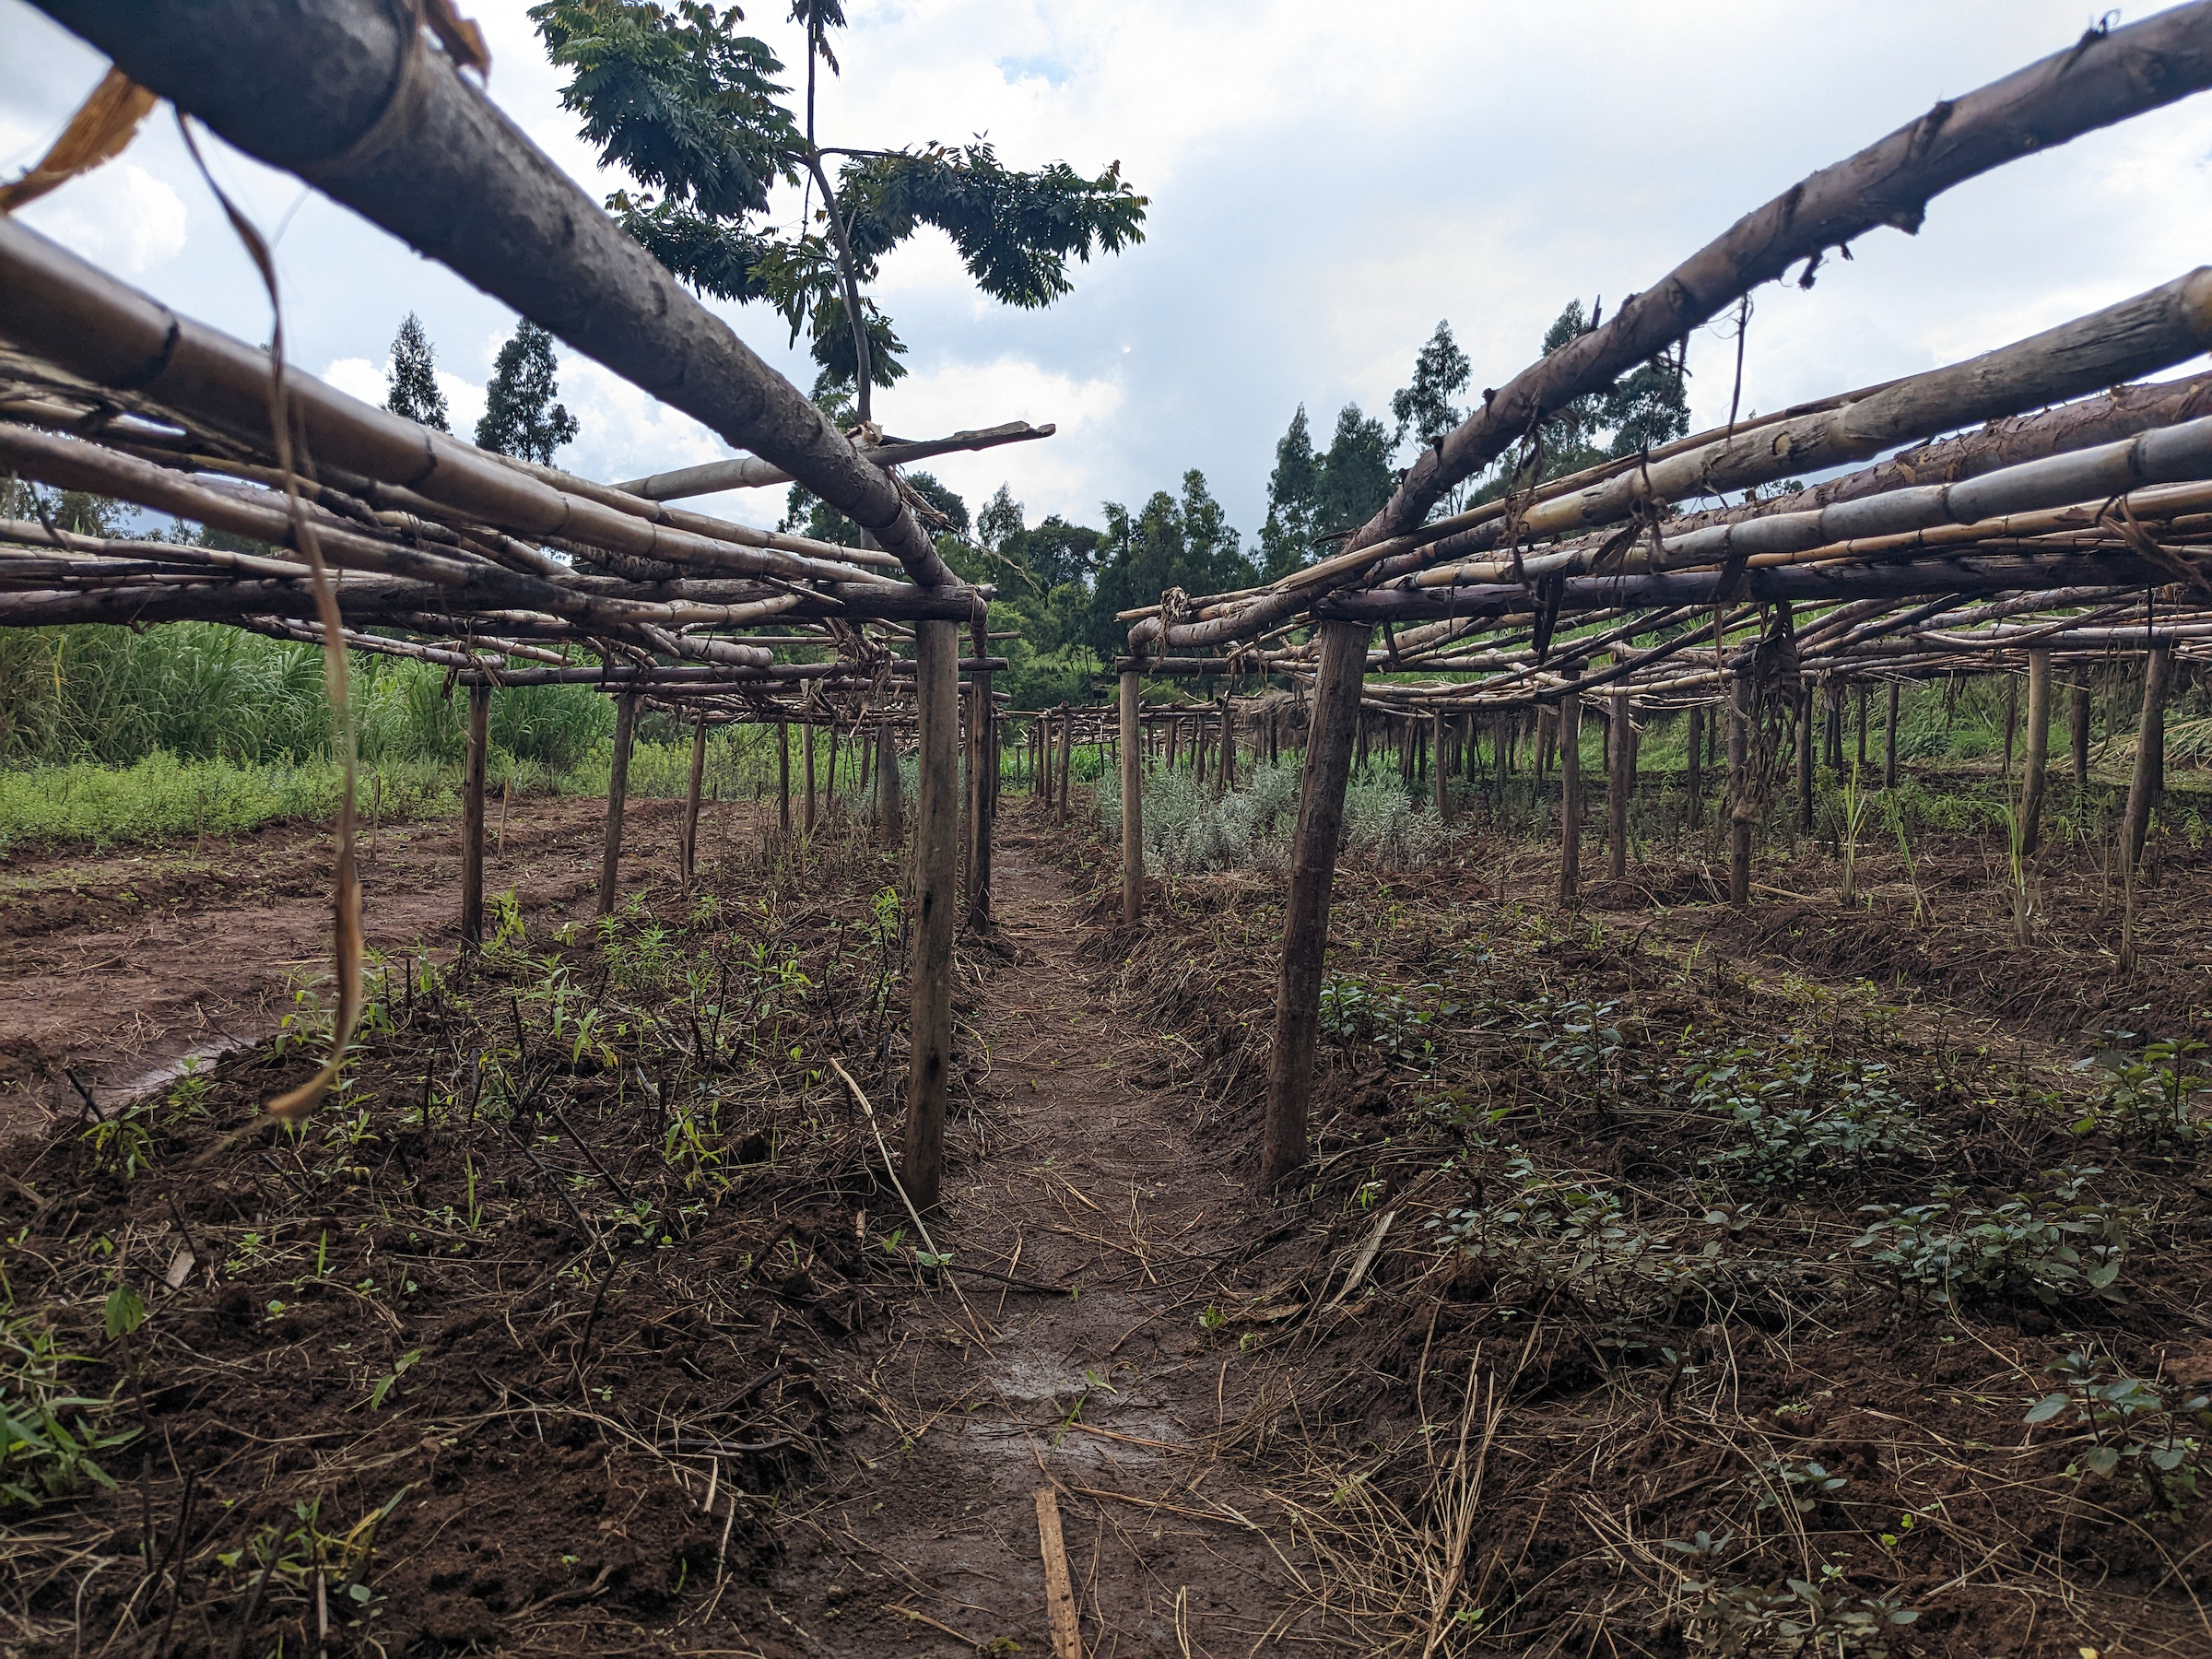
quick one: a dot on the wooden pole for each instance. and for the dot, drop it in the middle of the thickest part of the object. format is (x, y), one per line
(2012, 721)
(1693, 747)
(1067, 762)
(1889, 741)
(2078, 724)
(618, 790)
(2149, 781)
(830, 783)
(1834, 690)
(2039, 750)
(1619, 785)
(1570, 794)
(932, 906)
(1436, 733)
(1225, 779)
(699, 772)
(807, 761)
(1804, 760)
(1132, 806)
(784, 775)
(1740, 806)
(891, 806)
(1862, 725)
(472, 816)
(983, 735)
(1329, 744)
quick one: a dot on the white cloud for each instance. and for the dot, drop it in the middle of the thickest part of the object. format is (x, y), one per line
(119, 215)
(369, 382)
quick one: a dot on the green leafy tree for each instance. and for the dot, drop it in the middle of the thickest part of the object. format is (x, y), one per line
(692, 109)
(411, 390)
(1169, 543)
(520, 416)
(1356, 475)
(1424, 409)
(1293, 489)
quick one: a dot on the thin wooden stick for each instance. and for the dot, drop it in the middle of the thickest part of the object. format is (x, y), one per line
(1059, 1595)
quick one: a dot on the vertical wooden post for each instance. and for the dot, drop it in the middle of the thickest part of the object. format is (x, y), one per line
(1436, 733)
(1329, 744)
(1804, 760)
(1862, 723)
(1570, 793)
(1889, 741)
(2149, 781)
(1225, 779)
(472, 816)
(2078, 731)
(687, 859)
(983, 739)
(932, 905)
(1132, 804)
(891, 805)
(2039, 750)
(1833, 688)
(1275, 721)
(806, 740)
(1067, 762)
(1621, 786)
(618, 791)
(784, 775)
(829, 783)
(2012, 721)
(1740, 806)
(1694, 750)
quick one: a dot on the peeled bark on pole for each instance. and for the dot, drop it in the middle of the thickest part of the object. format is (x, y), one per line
(618, 791)
(1133, 804)
(1329, 742)
(1619, 783)
(2078, 731)
(1571, 796)
(932, 905)
(699, 772)
(1741, 803)
(1889, 741)
(784, 775)
(472, 816)
(2039, 750)
(2149, 781)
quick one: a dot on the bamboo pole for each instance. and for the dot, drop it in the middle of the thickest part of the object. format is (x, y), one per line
(689, 860)
(2039, 750)
(1133, 802)
(2150, 780)
(935, 898)
(2078, 732)
(472, 816)
(1336, 719)
(1741, 804)
(1570, 793)
(1889, 741)
(618, 791)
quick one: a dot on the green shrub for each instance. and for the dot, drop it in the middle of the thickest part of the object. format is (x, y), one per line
(2055, 1244)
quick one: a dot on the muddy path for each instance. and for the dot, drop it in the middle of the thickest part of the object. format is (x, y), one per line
(116, 965)
(926, 1539)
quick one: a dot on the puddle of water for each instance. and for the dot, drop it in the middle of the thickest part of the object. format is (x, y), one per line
(120, 1095)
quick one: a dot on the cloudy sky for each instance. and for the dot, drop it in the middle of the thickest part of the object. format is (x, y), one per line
(1327, 182)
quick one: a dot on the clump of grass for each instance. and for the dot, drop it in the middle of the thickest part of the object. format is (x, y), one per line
(1187, 827)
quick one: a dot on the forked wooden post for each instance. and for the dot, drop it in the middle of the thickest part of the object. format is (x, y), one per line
(618, 791)
(1342, 669)
(2149, 781)
(933, 905)
(1621, 786)
(1570, 794)
(1889, 741)
(2039, 750)
(1133, 802)
(689, 859)
(1740, 806)
(2078, 730)
(472, 816)
(784, 775)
